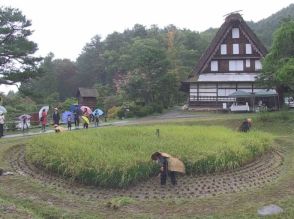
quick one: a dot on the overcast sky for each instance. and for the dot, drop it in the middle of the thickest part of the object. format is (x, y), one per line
(65, 26)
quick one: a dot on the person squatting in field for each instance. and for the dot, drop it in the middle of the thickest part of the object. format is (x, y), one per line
(246, 125)
(168, 166)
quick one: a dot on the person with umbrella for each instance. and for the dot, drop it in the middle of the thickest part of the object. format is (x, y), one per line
(96, 120)
(97, 113)
(56, 117)
(86, 113)
(77, 116)
(24, 122)
(2, 121)
(44, 120)
(168, 166)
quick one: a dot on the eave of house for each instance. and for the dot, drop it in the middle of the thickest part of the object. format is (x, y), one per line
(224, 77)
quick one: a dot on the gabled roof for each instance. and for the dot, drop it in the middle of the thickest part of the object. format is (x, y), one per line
(230, 21)
(87, 92)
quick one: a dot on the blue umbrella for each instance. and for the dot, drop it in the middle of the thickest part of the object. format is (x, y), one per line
(74, 107)
(97, 112)
(65, 116)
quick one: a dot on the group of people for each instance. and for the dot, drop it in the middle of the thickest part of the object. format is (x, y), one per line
(77, 114)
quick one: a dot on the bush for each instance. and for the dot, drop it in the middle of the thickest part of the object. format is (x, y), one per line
(283, 115)
(158, 108)
(11, 126)
(144, 111)
(112, 112)
(121, 113)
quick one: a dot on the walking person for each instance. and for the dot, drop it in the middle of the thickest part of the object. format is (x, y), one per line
(2, 122)
(77, 117)
(56, 117)
(24, 123)
(44, 120)
(86, 122)
(85, 117)
(97, 120)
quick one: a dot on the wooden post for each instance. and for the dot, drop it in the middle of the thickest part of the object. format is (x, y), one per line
(157, 132)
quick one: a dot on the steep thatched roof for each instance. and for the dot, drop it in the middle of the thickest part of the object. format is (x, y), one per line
(231, 21)
(87, 92)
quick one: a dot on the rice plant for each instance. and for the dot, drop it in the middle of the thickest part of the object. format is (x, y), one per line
(120, 156)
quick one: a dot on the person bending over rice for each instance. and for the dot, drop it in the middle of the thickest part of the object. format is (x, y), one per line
(168, 166)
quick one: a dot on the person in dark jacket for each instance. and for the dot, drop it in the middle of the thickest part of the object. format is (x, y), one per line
(56, 117)
(164, 172)
(77, 116)
(246, 125)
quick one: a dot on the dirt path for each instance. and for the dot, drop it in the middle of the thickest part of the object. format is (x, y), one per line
(175, 113)
(264, 170)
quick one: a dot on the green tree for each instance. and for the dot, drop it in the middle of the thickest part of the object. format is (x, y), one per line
(57, 81)
(42, 87)
(91, 64)
(66, 81)
(17, 62)
(149, 64)
(278, 65)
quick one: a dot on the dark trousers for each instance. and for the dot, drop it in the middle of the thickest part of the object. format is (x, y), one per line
(69, 125)
(1, 130)
(86, 125)
(77, 122)
(163, 177)
(25, 125)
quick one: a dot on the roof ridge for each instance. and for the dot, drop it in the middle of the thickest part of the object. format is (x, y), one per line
(221, 34)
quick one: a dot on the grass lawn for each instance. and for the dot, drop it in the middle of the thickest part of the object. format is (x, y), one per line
(24, 197)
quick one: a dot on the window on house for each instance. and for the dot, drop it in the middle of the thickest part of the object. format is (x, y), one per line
(235, 33)
(247, 63)
(258, 65)
(236, 65)
(214, 66)
(248, 48)
(235, 48)
(223, 49)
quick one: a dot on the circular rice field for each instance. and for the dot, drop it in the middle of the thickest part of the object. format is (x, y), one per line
(120, 156)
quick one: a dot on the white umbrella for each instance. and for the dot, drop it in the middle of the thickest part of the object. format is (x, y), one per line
(2, 109)
(24, 116)
(41, 110)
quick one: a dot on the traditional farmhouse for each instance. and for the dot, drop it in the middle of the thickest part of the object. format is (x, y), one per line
(87, 97)
(231, 63)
